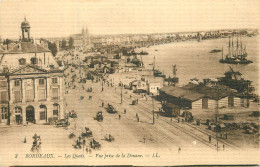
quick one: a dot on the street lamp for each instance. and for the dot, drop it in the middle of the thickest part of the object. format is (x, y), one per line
(153, 109)
(121, 93)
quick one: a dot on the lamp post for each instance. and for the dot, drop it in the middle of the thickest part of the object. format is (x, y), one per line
(121, 94)
(153, 110)
(217, 122)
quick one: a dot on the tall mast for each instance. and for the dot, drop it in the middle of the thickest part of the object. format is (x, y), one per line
(237, 48)
(232, 47)
(241, 47)
(222, 52)
(229, 47)
(153, 63)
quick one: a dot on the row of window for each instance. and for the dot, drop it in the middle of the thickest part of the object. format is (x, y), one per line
(34, 60)
(43, 110)
(29, 95)
(18, 82)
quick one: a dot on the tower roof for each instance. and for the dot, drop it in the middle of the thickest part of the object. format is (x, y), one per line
(25, 24)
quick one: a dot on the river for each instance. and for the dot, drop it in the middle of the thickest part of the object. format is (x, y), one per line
(193, 59)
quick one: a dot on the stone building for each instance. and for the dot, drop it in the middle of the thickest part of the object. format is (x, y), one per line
(31, 83)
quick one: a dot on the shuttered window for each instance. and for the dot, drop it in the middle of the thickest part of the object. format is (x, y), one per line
(43, 111)
(4, 113)
(17, 83)
(29, 95)
(4, 97)
(42, 115)
(55, 110)
(55, 93)
(17, 96)
(54, 80)
(41, 82)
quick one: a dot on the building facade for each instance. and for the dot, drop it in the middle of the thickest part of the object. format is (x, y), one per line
(31, 83)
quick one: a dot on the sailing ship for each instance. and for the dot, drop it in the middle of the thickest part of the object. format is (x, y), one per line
(236, 54)
(156, 72)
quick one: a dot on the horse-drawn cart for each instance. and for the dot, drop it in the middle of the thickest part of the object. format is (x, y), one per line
(87, 133)
(111, 109)
(94, 144)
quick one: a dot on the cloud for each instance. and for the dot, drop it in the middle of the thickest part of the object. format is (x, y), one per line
(63, 17)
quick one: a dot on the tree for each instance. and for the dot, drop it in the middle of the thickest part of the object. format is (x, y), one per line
(71, 42)
(63, 44)
(7, 42)
(53, 48)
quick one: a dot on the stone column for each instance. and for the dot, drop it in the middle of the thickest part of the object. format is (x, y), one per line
(35, 83)
(61, 87)
(24, 114)
(11, 92)
(23, 90)
(48, 89)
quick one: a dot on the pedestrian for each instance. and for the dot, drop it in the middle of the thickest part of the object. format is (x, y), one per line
(119, 116)
(226, 135)
(223, 147)
(102, 103)
(136, 115)
(137, 119)
(124, 111)
(24, 139)
(179, 150)
(210, 138)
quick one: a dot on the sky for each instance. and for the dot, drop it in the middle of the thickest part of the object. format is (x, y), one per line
(60, 18)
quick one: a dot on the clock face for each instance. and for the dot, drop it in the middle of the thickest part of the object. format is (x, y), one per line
(29, 82)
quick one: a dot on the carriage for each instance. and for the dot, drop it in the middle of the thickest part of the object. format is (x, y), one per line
(62, 123)
(134, 102)
(89, 89)
(88, 133)
(73, 114)
(109, 138)
(99, 116)
(94, 144)
(111, 109)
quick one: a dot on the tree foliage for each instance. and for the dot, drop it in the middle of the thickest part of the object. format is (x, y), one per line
(64, 44)
(53, 48)
(71, 43)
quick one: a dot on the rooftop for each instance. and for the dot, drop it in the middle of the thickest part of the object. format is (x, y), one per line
(27, 47)
(182, 93)
(210, 92)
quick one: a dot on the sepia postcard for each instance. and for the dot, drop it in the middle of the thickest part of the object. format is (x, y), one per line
(129, 82)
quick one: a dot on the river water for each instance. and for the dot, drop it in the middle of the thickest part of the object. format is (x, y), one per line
(193, 59)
